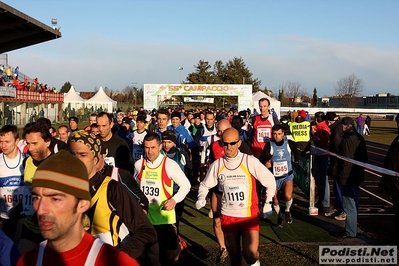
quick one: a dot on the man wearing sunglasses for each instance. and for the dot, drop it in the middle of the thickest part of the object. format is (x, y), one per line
(236, 173)
(216, 152)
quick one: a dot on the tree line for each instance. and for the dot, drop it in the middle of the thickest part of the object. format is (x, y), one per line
(235, 71)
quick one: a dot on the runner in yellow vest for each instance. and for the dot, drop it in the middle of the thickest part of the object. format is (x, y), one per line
(156, 175)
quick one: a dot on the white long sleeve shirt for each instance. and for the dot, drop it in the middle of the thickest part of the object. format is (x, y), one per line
(239, 189)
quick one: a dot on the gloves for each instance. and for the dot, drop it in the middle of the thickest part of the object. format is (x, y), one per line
(201, 202)
(267, 210)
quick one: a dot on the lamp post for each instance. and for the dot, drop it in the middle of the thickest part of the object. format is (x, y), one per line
(134, 94)
(54, 22)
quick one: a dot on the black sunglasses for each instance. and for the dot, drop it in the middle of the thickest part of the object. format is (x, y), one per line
(225, 144)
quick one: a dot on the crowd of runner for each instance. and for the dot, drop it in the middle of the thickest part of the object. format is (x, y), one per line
(123, 179)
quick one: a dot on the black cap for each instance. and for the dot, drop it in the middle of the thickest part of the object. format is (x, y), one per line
(330, 116)
(347, 121)
(74, 118)
(176, 114)
(126, 120)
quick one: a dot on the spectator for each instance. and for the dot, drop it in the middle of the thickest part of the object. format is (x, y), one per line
(353, 146)
(16, 72)
(334, 123)
(360, 124)
(367, 126)
(321, 139)
(389, 184)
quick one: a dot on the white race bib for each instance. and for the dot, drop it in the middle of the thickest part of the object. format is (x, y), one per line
(236, 197)
(264, 134)
(10, 196)
(280, 168)
(151, 189)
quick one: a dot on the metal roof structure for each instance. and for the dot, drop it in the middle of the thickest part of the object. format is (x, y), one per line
(18, 30)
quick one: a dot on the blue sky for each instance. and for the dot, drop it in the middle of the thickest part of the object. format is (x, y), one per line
(116, 43)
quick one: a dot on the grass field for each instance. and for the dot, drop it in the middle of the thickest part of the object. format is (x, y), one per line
(293, 244)
(382, 132)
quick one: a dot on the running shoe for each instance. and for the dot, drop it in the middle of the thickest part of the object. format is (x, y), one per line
(280, 220)
(288, 217)
(222, 255)
(341, 216)
(210, 214)
(330, 213)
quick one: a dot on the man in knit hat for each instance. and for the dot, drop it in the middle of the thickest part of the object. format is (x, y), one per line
(115, 215)
(73, 124)
(60, 192)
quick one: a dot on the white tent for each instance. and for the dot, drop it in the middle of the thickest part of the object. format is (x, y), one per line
(275, 104)
(100, 99)
(73, 99)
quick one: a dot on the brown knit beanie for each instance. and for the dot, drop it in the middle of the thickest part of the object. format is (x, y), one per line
(64, 172)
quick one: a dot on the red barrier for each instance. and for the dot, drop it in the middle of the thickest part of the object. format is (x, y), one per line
(35, 97)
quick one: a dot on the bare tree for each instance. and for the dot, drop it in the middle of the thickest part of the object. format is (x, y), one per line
(294, 90)
(350, 86)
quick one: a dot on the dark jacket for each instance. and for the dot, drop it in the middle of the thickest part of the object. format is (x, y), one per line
(128, 180)
(123, 204)
(335, 139)
(352, 146)
(389, 184)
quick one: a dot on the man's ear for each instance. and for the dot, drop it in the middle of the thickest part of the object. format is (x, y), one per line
(83, 205)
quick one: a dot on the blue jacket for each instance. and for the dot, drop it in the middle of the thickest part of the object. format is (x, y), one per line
(183, 137)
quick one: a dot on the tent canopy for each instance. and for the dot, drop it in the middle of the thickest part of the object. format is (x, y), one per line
(275, 104)
(73, 100)
(72, 96)
(101, 99)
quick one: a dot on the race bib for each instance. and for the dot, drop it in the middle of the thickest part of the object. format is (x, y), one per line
(137, 153)
(264, 134)
(11, 196)
(236, 197)
(151, 189)
(280, 168)
(27, 201)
